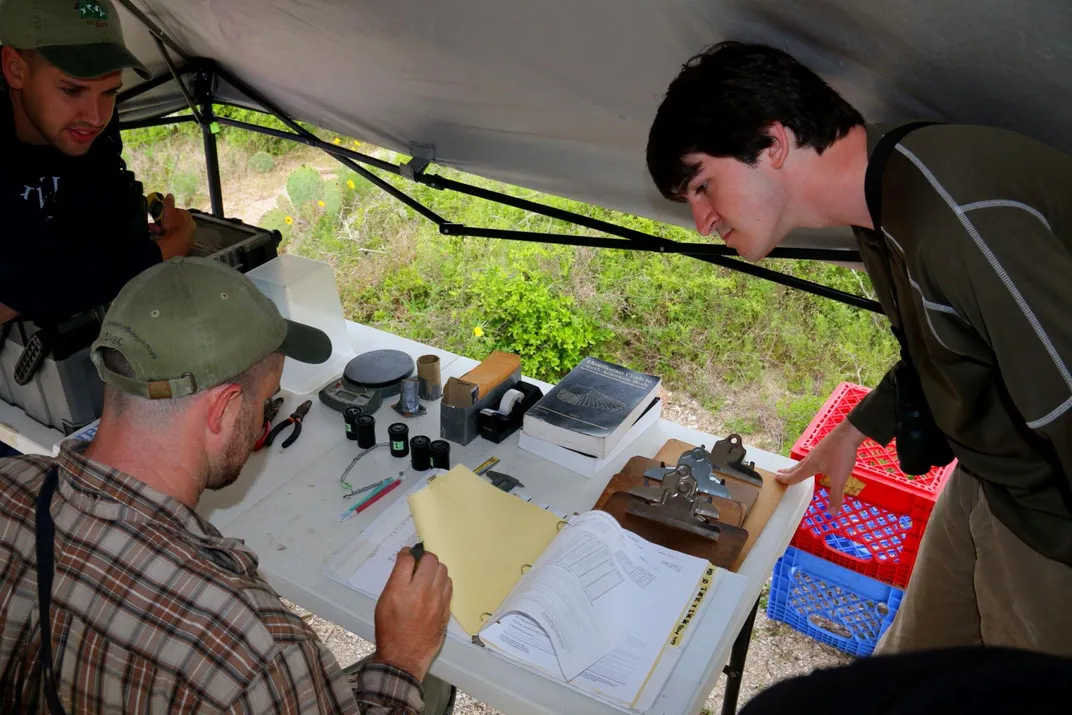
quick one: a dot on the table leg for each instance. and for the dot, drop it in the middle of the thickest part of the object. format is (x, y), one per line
(734, 670)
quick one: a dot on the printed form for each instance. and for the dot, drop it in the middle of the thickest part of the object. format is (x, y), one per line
(587, 594)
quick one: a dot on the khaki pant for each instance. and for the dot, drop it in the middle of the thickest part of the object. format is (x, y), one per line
(438, 694)
(976, 583)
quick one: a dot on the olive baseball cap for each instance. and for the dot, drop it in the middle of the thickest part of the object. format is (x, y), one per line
(190, 324)
(83, 38)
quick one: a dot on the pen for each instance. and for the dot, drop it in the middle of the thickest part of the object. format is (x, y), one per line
(377, 496)
(379, 488)
(418, 552)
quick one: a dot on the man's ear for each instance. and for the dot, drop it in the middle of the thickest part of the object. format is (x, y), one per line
(778, 151)
(224, 405)
(16, 68)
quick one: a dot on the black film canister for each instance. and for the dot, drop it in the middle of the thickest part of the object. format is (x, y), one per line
(365, 428)
(350, 415)
(440, 450)
(420, 452)
(398, 435)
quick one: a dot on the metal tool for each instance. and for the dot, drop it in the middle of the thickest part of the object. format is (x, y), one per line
(271, 409)
(295, 419)
(488, 464)
(503, 481)
(675, 504)
(727, 456)
(700, 469)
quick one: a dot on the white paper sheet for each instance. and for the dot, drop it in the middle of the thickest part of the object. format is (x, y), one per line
(621, 674)
(589, 587)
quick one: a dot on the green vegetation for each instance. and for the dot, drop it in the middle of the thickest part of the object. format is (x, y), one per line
(761, 357)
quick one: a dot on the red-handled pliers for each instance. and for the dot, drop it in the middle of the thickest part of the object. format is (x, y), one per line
(294, 419)
(271, 409)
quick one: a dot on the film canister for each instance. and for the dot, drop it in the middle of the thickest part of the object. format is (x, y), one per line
(420, 452)
(365, 428)
(398, 436)
(349, 416)
(440, 451)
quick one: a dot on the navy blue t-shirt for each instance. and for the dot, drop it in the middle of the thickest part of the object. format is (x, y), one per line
(73, 230)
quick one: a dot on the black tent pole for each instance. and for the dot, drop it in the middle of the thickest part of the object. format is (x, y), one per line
(634, 240)
(203, 81)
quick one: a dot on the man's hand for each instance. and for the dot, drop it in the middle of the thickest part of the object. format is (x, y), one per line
(834, 456)
(175, 231)
(412, 614)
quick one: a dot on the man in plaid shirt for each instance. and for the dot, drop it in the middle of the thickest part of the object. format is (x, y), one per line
(152, 609)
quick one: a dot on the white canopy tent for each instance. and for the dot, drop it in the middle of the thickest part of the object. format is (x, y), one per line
(558, 96)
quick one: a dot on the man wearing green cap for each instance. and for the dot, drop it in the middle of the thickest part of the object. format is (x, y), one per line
(75, 225)
(148, 607)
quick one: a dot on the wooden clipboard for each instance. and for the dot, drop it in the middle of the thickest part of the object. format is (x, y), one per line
(763, 501)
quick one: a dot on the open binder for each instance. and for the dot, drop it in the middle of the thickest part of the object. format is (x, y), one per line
(630, 678)
(579, 600)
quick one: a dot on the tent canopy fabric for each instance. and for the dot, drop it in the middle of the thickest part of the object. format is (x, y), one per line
(558, 96)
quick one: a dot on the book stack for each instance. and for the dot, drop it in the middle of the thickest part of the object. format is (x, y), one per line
(591, 415)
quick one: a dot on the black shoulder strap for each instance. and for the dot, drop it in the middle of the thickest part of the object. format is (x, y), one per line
(877, 164)
(46, 537)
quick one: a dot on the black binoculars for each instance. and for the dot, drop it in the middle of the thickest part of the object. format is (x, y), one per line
(920, 444)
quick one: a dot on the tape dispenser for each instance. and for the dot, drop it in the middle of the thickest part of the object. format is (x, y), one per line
(498, 424)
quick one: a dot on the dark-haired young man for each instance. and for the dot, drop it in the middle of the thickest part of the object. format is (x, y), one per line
(972, 263)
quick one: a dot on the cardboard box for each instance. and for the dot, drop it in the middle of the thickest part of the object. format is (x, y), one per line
(491, 372)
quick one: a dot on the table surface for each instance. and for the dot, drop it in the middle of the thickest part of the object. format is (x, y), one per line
(286, 502)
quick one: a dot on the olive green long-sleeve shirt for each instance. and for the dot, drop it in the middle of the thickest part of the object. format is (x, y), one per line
(977, 271)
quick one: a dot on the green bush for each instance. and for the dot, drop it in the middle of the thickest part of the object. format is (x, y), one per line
(524, 315)
(303, 185)
(276, 220)
(185, 185)
(332, 196)
(262, 162)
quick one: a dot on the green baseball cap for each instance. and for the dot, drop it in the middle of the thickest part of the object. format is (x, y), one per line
(83, 38)
(190, 324)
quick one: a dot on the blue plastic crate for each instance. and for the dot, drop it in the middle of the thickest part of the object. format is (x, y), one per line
(830, 603)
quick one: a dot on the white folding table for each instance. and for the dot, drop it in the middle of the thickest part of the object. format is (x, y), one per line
(286, 504)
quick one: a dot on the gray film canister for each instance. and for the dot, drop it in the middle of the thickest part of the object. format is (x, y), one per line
(440, 451)
(428, 377)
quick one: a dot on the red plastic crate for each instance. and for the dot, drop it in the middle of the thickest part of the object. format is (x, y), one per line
(884, 513)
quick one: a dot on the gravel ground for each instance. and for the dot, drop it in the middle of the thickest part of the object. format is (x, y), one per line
(776, 652)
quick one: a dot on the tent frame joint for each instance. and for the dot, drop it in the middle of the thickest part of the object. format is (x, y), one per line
(423, 155)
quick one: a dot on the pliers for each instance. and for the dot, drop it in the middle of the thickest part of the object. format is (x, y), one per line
(271, 409)
(295, 419)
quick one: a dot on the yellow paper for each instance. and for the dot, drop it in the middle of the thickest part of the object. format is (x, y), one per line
(483, 535)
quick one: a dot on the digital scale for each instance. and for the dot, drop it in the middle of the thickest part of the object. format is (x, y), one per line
(368, 380)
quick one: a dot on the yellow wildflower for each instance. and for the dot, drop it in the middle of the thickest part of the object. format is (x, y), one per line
(478, 331)
(337, 140)
(351, 184)
(320, 203)
(289, 220)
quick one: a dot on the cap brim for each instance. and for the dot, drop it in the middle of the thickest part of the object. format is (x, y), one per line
(305, 343)
(92, 61)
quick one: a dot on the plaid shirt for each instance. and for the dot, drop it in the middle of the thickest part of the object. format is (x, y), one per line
(154, 611)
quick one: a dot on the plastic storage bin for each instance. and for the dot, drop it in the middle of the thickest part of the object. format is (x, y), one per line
(884, 513)
(830, 603)
(65, 392)
(304, 290)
